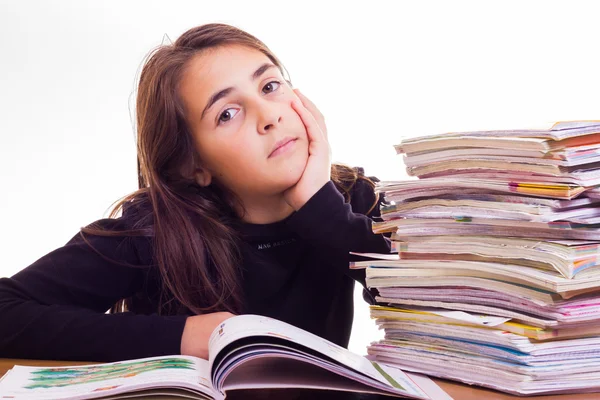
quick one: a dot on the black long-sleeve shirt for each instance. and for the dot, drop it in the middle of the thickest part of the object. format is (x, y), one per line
(295, 270)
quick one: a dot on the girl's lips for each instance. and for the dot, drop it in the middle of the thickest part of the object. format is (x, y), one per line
(285, 146)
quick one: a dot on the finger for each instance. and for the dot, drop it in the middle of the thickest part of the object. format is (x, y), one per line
(309, 104)
(310, 123)
(314, 110)
(308, 119)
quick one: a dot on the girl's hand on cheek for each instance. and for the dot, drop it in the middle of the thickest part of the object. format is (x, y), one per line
(318, 167)
(317, 115)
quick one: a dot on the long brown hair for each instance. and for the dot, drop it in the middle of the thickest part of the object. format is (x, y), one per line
(192, 228)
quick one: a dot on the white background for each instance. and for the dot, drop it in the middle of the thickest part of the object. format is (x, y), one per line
(378, 72)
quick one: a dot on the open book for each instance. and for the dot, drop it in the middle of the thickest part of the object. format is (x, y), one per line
(245, 352)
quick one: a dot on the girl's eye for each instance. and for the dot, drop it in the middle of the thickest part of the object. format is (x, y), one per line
(270, 84)
(226, 115)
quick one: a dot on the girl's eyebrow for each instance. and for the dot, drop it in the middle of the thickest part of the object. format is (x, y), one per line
(222, 93)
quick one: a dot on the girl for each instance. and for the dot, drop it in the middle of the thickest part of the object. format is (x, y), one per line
(239, 211)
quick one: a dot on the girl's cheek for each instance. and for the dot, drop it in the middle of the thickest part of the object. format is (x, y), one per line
(289, 98)
(288, 92)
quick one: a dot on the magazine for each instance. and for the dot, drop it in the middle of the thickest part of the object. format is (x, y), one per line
(245, 352)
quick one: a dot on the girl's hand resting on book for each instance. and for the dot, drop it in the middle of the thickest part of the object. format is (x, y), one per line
(197, 330)
(318, 167)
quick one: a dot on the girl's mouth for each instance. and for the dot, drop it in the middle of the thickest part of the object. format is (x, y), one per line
(282, 146)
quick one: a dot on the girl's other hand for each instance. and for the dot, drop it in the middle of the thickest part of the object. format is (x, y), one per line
(318, 167)
(197, 330)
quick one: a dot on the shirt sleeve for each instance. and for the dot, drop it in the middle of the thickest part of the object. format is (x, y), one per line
(329, 224)
(55, 308)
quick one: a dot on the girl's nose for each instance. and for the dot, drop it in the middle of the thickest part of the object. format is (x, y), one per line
(269, 120)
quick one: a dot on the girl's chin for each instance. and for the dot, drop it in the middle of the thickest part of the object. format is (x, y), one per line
(289, 177)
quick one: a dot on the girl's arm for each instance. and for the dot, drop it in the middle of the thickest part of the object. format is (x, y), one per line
(336, 228)
(55, 308)
(330, 224)
(321, 216)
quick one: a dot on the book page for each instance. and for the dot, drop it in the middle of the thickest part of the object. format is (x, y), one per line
(244, 326)
(280, 373)
(108, 379)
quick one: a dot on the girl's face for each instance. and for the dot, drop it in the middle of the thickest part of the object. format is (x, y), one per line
(239, 109)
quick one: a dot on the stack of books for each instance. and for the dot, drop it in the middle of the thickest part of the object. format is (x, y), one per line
(498, 278)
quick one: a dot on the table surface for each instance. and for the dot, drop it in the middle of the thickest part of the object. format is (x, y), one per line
(456, 390)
